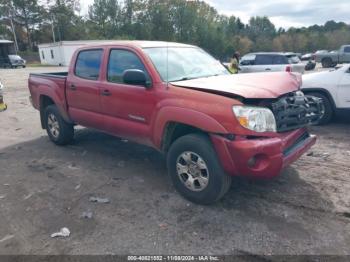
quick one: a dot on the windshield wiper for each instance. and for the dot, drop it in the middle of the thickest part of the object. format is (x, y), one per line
(184, 79)
(191, 78)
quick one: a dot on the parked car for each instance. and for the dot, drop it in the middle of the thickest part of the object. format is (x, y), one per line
(178, 99)
(307, 57)
(269, 62)
(293, 58)
(333, 87)
(331, 59)
(320, 52)
(17, 61)
(12, 61)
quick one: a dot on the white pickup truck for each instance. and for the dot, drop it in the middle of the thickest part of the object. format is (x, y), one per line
(333, 87)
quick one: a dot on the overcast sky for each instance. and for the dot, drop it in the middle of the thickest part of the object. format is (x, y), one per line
(283, 13)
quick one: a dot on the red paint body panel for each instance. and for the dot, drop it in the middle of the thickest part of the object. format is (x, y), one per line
(142, 115)
(54, 88)
(267, 85)
(234, 155)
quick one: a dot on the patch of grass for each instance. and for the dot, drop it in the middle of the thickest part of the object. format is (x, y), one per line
(39, 65)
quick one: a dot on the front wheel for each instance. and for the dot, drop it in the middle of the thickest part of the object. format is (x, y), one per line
(328, 108)
(195, 170)
(59, 131)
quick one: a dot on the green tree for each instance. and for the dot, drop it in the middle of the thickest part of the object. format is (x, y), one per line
(63, 14)
(25, 13)
(260, 26)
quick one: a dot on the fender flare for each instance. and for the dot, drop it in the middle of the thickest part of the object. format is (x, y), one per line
(185, 116)
(48, 91)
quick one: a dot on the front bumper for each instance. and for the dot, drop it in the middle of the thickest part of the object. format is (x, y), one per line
(262, 157)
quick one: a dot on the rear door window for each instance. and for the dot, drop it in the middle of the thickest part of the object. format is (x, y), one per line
(280, 60)
(88, 64)
(264, 60)
(347, 49)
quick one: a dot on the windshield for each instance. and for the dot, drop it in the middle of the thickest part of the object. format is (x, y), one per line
(184, 63)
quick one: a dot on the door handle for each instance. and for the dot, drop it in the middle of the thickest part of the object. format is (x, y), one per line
(106, 93)
(267, 69)
(73, 87)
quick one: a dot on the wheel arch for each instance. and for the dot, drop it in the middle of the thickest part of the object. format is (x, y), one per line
(45, 101)
(326, 58)
(174, 130)
(172, 121)
(321, 91)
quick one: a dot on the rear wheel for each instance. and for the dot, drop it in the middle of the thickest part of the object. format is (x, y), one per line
(328, 108)
(195, 169)
(59, 131)
(327, 62)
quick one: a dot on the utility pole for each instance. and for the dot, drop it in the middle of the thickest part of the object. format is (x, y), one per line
(14, 34)
(53, 30)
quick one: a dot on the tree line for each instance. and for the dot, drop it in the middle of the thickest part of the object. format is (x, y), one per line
(194, 22)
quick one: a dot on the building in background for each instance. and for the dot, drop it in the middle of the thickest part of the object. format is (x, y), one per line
(60, 53)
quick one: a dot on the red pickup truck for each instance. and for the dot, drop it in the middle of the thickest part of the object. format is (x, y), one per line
(179, 100)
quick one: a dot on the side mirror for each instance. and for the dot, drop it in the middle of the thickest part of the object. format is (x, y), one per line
(135, 77)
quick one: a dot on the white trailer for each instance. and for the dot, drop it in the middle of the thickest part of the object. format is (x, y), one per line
(60, 53)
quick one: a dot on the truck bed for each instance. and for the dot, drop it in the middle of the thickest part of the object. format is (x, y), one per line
(38, 84)
(54, 74)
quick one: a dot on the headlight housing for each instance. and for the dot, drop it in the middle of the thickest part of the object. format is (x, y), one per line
(258, 119)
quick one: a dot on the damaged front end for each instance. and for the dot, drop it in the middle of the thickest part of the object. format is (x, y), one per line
(266, 156)
(293, 110)
(296, 110)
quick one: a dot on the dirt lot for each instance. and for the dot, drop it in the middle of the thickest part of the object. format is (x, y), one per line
(44, 187)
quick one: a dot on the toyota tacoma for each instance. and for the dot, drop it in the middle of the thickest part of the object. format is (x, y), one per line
(178, 99)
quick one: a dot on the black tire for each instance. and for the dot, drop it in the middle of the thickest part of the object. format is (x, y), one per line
(327, 62)
(328, 108)
(65, 133)
(218, 181)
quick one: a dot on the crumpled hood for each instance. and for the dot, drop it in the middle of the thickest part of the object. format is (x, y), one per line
(255, 85)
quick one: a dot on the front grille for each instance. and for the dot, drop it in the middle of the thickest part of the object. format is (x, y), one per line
(296, 110)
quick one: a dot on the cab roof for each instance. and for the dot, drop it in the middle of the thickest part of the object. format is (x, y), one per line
(140, 44)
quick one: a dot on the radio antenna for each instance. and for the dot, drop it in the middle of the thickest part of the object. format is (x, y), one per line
(167, 65)
(167, 50)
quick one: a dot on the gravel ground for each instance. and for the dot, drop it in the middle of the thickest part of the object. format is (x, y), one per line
(44, 187)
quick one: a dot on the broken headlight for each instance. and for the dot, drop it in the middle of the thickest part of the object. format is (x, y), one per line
(258, 119)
